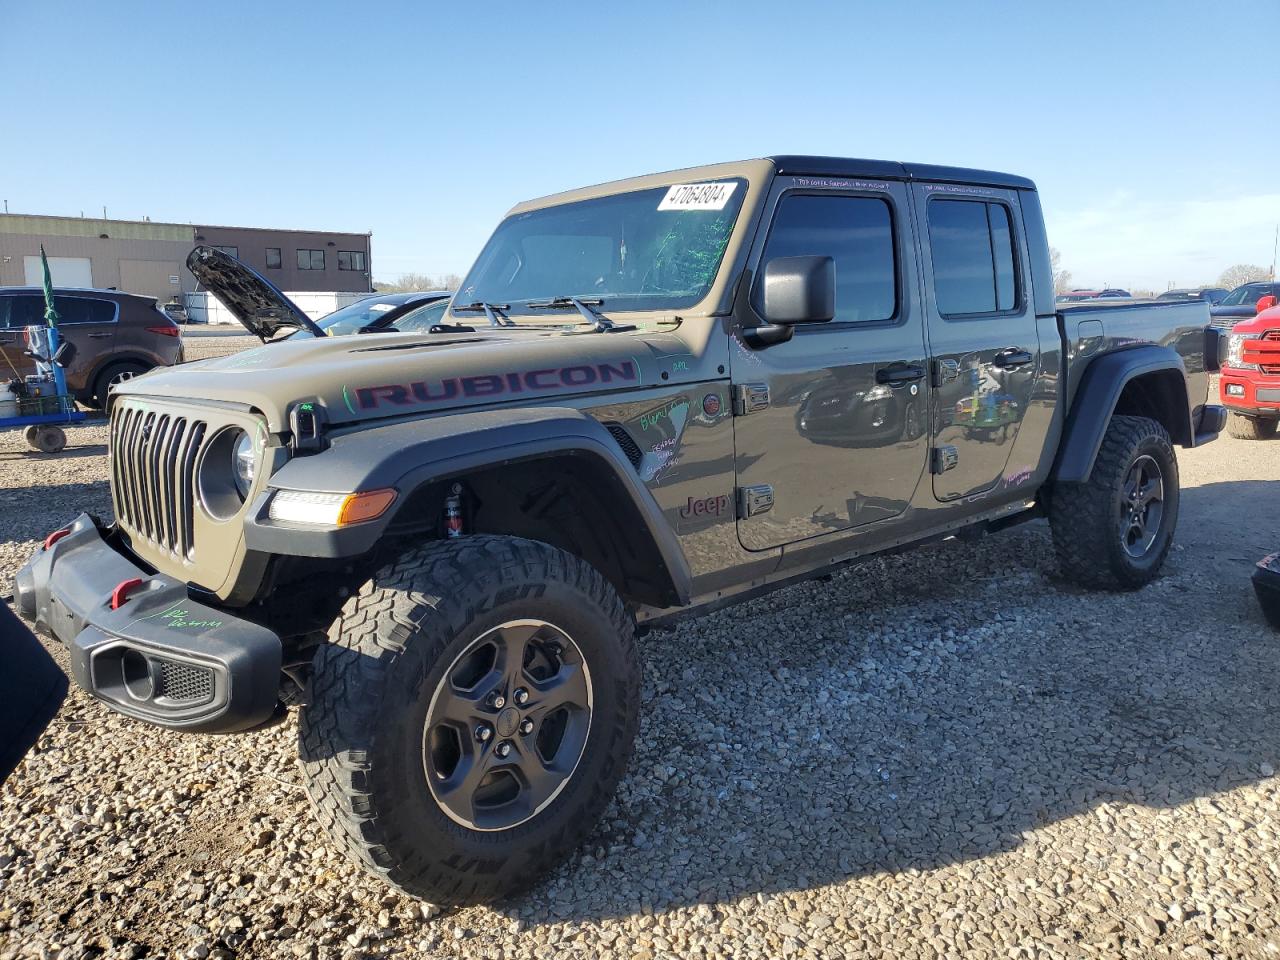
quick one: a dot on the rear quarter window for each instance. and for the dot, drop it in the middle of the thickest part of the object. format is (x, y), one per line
(84, 310)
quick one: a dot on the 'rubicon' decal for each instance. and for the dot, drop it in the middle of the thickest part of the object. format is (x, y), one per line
(496, 384)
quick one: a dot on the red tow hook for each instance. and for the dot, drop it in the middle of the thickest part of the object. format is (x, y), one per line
(120, 595)
(54, 537)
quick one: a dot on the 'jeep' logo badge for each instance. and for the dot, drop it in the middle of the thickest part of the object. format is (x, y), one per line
(705, 507)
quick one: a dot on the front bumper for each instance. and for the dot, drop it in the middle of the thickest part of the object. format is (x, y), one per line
(161, 656)
(1256, 394)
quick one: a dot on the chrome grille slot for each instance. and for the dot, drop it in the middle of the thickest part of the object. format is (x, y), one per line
(153, 461)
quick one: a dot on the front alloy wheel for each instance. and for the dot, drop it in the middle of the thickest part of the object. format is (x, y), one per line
(507, 725)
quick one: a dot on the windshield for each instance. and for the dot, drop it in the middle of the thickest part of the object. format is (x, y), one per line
(1246, 294)
(422, 319)
(351, 318)
(653, 249)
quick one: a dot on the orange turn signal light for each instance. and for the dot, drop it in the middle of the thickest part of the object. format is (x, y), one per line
(358, 507)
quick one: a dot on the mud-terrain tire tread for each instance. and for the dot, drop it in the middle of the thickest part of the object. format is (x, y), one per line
(1251, 428)
(434, 591)
(1084, 536)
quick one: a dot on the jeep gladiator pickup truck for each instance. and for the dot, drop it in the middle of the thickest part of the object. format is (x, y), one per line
(648, 397)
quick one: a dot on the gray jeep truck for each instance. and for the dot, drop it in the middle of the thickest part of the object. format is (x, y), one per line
(649, 397)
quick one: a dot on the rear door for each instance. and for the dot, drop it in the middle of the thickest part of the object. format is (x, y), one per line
(984, 346)
(89, 324)
(829, 426)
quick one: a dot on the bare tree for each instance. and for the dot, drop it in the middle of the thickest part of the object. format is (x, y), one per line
(1061, 278)
(413, 282)
(1242, 273)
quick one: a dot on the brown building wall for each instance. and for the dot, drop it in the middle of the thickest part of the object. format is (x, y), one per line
(252, 245)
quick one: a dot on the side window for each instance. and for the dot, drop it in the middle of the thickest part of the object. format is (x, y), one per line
(84, 310)
(857, 233)
(974, 268)
(26, 309)
(422, 319)
(310, 259)
(350, 259)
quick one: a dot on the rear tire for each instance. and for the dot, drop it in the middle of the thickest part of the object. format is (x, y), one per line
(1115, 530)
(110, 376)
(1250, 428)
(403, 731)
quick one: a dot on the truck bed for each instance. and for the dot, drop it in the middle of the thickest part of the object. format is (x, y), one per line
(1091, 328)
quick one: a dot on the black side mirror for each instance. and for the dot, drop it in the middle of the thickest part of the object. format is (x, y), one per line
(799, 290)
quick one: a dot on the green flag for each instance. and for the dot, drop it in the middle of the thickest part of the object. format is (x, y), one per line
(50, 311)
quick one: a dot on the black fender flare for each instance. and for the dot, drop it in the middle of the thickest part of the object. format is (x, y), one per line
(408, 454)
(1101, 385)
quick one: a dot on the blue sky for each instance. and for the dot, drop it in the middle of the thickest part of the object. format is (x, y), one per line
(1152, 129)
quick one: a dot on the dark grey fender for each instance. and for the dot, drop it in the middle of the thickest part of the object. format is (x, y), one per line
(409, 454)
(1100, 388)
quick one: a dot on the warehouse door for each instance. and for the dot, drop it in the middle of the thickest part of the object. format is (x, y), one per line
(65, 271)
(151, 278)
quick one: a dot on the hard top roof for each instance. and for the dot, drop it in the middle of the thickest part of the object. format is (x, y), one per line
(787, 164)
(799, 165)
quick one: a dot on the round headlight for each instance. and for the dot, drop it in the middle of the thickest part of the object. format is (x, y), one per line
(242, 464)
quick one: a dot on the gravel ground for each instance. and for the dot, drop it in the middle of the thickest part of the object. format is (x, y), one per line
(943, 753)
(202, 346)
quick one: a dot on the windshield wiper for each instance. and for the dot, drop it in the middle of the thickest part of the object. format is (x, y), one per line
(597, 319)
(496, 312)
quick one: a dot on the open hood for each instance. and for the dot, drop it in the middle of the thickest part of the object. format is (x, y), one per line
(251, 297)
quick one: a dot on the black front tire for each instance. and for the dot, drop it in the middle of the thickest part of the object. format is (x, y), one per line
(1089, 519)
(1250, 428)
(361, 734)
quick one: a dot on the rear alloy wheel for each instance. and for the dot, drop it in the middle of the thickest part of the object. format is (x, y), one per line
(1251, 428)
(1142, 507)
(471, 715)
(1115, 529)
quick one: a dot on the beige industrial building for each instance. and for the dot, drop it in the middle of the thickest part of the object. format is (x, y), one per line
(143, 256)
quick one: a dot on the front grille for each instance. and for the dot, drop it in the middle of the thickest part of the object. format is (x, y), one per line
(1224, 323)
(1270, 369)
(153, 461)
(182, 681)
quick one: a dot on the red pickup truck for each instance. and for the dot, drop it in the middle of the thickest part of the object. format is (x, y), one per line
(1250, 381)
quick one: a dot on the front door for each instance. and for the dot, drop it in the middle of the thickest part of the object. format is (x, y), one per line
(830, 426)
(984, 346)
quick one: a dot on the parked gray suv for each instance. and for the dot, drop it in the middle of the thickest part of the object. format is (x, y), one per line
(648, 398)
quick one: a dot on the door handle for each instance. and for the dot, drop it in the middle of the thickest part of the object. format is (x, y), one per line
(99, 336)
(1012, 357)
(896, 374)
